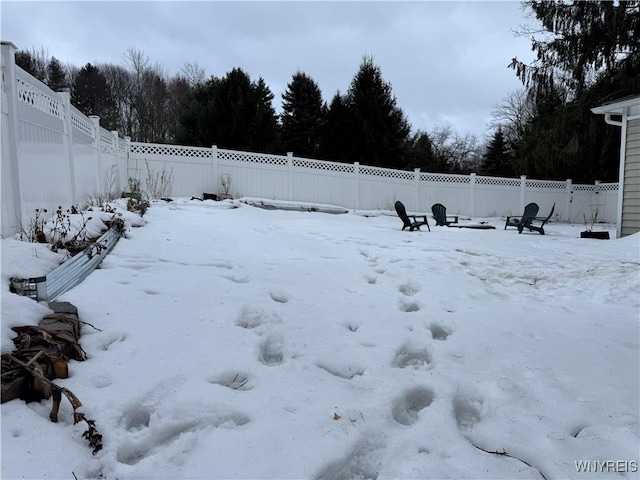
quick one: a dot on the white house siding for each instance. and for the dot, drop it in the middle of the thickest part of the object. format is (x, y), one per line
(631, 191)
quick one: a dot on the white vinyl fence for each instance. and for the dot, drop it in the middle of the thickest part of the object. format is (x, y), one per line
(53, 155)
(199, 170)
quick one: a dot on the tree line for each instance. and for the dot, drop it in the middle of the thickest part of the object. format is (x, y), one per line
(586, 53)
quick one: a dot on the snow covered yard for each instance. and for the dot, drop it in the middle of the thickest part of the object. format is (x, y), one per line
(256, 344)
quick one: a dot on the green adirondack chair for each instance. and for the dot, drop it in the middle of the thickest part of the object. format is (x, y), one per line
(528, 218)
(406, 219)
(440, 214)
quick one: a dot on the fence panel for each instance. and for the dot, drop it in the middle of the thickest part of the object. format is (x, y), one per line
(44, 169)
(10, 210)
(191, 166)
(85, 156)
(252, 174)
(109, 163)
(453, 191)
(312, 179)
(545, 193)
(379, 189)
(495, 196)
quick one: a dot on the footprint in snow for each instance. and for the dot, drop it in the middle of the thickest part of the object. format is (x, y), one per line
(468, 410)
(279, 296)
(363, 462)
(236, 278)
(406, 408)
(371, 278)
(271, 350)
(251, 317)
(153, 432)
(346, 371)
(409, 289)
(438, 332)
(233, 379)
(412, 357)
(408, 306)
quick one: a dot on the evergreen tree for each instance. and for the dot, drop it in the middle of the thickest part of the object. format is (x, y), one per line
(56, 76)
(264, 131)
(231, 112)
(196, 128)
(590, 53)
(497, 157)
(234, 111)
(334, 137)
(421, 154)
(33, 62)
(582, 39)
(92, 96)
(377, 126)
(302, 116)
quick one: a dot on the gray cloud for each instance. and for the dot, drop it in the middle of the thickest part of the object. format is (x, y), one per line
(447, 61)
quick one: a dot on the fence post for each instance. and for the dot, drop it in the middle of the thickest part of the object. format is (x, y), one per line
(121, 164)
(100, 183)
(8, 81)
(523, 187)
(416, 181)
(472, 185)
(569, 198)
(129, 161)
(215, 168)
(289, 175)
(356, 179)
(66, 101)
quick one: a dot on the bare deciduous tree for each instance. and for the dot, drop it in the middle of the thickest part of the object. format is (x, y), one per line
(512, 115)
(193, 73)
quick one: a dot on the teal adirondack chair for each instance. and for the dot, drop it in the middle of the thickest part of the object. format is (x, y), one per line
(528, 218)
(406, 219)
(440, 214)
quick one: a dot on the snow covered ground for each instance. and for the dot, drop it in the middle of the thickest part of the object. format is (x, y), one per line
(269, 344)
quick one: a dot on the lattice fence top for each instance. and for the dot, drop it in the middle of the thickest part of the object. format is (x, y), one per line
(444, 178)
(80, 123)
(249, 157)
(386, 173)
(106, 137)
(107, 148)
(322, 165)
(38, 99)
(554, 184)
(583, 188)
(170, 150)
(498, 182)
(122, 148)
(608, 187)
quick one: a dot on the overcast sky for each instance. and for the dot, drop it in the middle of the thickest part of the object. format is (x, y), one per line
(446, 61)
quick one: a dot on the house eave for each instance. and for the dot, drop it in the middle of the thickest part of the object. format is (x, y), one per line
(630, 106)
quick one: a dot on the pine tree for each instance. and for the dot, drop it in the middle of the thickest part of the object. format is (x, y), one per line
(92, 96)
(376, 124)
(334, 135)
(33, 62)
(588, 54)
(497, 158)
(421, 154)
(263, 130)
(56, 76)
(582, 39)
(231, 112)
(302, 116)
